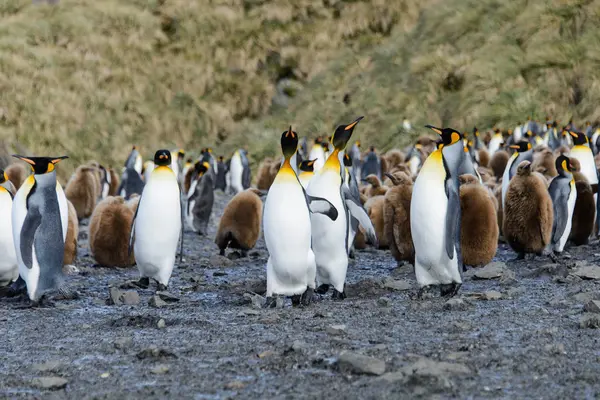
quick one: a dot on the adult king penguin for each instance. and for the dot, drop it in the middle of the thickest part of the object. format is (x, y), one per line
(523, 152)
(9, 268)
(39, 217)
(291, 266)
(157, 224)
(435, 216)
(331, 237)
(564, 194)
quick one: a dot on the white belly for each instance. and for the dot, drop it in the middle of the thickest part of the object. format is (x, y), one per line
(414, 165)
(236, 170)
(157, 228)
(329, 244)
(317, 154)
(558, 247)
(304, 180)
(286, 227)
(9, 270)
(428, 226)
(586, 159)
(495, 144)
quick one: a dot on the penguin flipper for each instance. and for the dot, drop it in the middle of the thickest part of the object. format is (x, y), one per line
(31, 224)
(560, 214)
(357, 211)
(319, 205)
(132, 232)
(452, 218)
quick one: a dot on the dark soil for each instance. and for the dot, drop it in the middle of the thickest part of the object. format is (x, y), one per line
(215, 344)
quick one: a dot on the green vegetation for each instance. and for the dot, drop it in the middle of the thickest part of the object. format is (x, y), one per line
(89, 78)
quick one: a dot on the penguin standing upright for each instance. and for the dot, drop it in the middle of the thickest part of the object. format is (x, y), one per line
(582, 152)
(134, 160)
(317, 153)
(523, 152)
(331, 245)
(220, 182)
(564, 195)
(200, 198)
(307, 171)
(371, 165)
(9, 268)
(40, 219)
(240, 171)
(157, 224)
(415, 159)
(291, 265)
(435, 216)
(496, 141)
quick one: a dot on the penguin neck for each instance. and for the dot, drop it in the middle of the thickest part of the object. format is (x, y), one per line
(333, 161)
(48, 179)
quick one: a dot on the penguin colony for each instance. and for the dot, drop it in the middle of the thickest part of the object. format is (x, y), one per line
(441, 204)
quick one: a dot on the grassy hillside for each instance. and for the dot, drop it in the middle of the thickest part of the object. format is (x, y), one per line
(90, 78)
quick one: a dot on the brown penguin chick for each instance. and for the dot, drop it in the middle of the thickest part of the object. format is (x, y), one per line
(114, 182)
(398, 173)
(239, 227)
(110, 227)
(376, 188)
(426, 142)
(484, 157)
(274, 170)
(72, 233)
(396, 217)
(263, 177)
(133, 202)
(499, 211)
(498, 163)
(394, 157)
(17, 173)
(562, 150)
(374, 208)
(543, 162)
(81, 191)
(487, 175)
(360, 241)
(584, 212)
(575, 165)
(95, 165)
(479, 224)
(528, 212)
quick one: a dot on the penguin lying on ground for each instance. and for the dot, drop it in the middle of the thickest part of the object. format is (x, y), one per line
(40, 222)
(564, 195)
(287, 229)
(81, 190)
(435, 216)
(157, 224)
(239, 227)
(200, 199)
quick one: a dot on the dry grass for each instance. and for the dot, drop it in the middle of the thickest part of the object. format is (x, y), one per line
(89, 78)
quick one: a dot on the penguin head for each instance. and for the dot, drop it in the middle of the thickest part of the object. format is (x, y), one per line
(475, 131)
(181, 154)
(201, 167)
(3, 176)
(347, 161)
(524, 168)
(357, 143)
(220, 159)
(41, 165)
(307, 165)
(563, 165)
(522, 146)
(449, 136)
(343, 133)
(289, 142)
(579, 138)
(162, 158)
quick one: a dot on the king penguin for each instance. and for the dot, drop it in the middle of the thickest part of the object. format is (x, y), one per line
(157, 224)
(317, 153)
(564, 194)
(523, 152)
(582, 152)
(240, 171)
(307, 170)
(331, 237)
(291, 265)
(134, 160)
(9, 268)
(40, 218)
(435, 216)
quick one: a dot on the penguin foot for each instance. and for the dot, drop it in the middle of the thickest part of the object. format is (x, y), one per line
(270, 302)
(143, 283)
(324, 288)
(450, 290)
(553, 256)
(17, 288)
(424, 292)
(351, 254)
(161, 287)
(306, 297)
(338, 295)
(222, 252)
(296, 300)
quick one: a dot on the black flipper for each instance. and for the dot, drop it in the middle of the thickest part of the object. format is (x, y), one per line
(452, 234)
(319, 205)
(357, 211)
(31, 224)
(560, 197)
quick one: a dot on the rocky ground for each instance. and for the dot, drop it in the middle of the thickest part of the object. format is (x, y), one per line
(518, 329)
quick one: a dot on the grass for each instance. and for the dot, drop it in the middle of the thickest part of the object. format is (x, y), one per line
(89, 78)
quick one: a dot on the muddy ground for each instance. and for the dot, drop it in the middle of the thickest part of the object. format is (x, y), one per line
(215, 344)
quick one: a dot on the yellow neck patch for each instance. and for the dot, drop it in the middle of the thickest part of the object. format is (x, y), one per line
(333, 163)
(286, 174)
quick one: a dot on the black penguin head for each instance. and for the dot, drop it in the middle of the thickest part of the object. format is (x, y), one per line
(289, 143)
(325, 145)
(41, 165)
(189, 160)
(201, 167)
(307, 165)
(357, 143)
(579, 138)
(475, 131)
(181, 154)
(522, 146)
(318, 140)
(347, 161)
(563, 165)
(162, 158)
(449, 136)
(343, 133)
(220, 159)
(3, 176)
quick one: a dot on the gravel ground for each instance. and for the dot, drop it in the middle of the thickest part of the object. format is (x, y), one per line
(525, 333)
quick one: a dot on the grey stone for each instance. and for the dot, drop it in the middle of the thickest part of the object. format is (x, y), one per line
(592, 306)
(130, 298)
(384, 302)
(161, 323)
(48, 366)
(455, 305)
(396, 284)
(115, 296)
(248, 312)
(220, 261)
(336, 329)
(585, 297)
(123, 342)
(167, 297)
(160, 369)
(360, 364)
(492, 295)
(50, 382)
(587, 272)
(156, 301)
(491, 271)
(589, 320)
(557, 349)
(256, 300)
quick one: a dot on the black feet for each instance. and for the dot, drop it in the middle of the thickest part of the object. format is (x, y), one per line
(450, 290)
(161, 287)
(222, 252)
(15, 289)
(296, 300)
(338, 295)
(143, 283)
(306, 297)
(351, 254)
(424, 292)
(324, 288)
(270, 302)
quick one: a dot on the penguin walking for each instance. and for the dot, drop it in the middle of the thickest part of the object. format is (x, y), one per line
(291, 265)
(435, 216)
(307, 171)
(40, 222)
(564, 195)
(523, 152)
(9, 267)
(200, 199)
(157, 224)
(331, 236)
